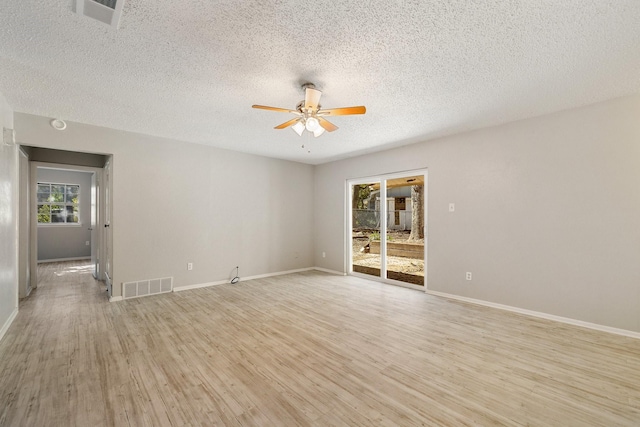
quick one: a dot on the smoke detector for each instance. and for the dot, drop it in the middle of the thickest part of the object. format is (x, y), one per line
(58, 124)
(106, 11)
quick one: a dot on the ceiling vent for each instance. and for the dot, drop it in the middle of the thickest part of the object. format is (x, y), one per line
(107, 11)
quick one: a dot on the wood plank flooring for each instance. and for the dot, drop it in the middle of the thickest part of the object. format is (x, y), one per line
(302, 349)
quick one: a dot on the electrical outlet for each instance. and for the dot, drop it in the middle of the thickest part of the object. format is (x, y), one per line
(452, 207)
(324, 254)
(468, 275)
(87, 243)
(190, 266)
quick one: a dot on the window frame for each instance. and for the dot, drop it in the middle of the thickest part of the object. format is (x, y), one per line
(65, 204)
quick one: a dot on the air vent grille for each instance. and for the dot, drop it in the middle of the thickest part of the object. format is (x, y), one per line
(107, 11)
(109, 3)
(147, 287)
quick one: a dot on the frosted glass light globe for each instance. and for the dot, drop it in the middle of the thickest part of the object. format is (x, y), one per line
(312, 124)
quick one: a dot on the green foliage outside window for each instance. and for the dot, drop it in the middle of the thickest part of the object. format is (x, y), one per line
(44, 214)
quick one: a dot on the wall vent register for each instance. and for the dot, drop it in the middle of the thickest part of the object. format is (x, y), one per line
(143, 288)
(109, 3)
(106, 11)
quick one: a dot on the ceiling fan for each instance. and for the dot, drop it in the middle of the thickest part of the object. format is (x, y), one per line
(310, 115)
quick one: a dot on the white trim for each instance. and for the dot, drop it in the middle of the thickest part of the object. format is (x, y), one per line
(8, 323)
(22, 218)
(15, 192)
(553, 317)
(199, 285)
(44, 261)
(326, 270)
(258, 276)
(347, 228)
(118, 298)
(277, 273)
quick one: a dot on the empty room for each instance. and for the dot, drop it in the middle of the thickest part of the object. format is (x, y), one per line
(328, 213)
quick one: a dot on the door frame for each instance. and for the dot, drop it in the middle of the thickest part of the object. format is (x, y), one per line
(24, 225)
(33, 205)
(382, 179)
(106, 242)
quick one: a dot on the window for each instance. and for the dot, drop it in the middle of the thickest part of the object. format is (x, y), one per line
(58, 203)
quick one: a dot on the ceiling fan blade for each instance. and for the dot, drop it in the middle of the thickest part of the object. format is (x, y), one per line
(281, 110)
(345, 111)
(327, 125)
(311, 99)
(287, 123)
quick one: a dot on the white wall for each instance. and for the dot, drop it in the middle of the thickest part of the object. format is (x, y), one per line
(547, 212)
(8, 223)
(66, 241)
(175, 202)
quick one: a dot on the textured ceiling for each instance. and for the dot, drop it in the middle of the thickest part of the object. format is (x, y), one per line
(191, 69)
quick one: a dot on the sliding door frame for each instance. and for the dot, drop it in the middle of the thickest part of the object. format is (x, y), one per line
(382, 179)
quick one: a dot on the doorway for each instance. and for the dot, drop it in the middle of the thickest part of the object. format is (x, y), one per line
(66, 202)
(60, 206)
(386, 230)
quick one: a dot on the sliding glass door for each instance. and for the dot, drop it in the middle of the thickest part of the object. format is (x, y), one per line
(387, 228)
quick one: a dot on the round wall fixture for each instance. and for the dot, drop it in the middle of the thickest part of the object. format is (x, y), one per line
(58, 124)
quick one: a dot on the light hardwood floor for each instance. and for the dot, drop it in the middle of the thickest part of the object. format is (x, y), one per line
(302, 349)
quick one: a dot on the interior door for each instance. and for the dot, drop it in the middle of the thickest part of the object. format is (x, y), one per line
(93, 226)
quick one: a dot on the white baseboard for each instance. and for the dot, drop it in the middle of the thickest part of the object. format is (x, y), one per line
(326, 270)
(8, 323)
(199, 285)
(569, 321)
(114, 299)
(244, 279)
(277, 273)
(44, 261)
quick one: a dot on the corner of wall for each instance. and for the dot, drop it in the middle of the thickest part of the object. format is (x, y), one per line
(8, 227)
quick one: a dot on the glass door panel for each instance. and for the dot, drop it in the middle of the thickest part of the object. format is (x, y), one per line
(365, 230)
(405, 229)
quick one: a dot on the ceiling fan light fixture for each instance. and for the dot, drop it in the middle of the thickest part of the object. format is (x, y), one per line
(298, 127)
(310, 116)
(312, 124)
